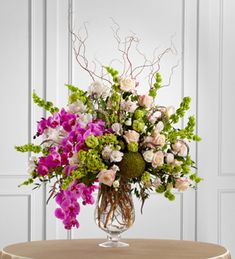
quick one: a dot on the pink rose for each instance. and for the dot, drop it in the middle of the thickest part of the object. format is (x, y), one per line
(158, 159)
(180, 148)
(182, 184)
(146, 100)
(159, 140)
(127, 84)
(131, 136)
(107, 177)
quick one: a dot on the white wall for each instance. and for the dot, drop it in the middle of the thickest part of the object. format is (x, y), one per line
(36, 53)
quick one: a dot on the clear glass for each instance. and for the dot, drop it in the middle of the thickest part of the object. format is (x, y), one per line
(114, 212)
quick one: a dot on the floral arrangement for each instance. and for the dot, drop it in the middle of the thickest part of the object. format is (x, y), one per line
(107, 135)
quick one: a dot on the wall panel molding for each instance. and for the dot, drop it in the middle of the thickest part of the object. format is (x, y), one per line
(220, 193)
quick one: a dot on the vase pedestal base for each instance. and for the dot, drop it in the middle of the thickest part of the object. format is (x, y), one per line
(113, 241)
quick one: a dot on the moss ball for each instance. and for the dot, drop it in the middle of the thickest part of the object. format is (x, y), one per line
(132, 165)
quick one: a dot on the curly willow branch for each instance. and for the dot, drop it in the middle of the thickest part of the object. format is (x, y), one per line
(124, 47)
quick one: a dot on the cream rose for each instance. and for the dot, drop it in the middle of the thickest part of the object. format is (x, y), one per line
(146, 101)
(131, 136)
(127, 84)
(158, 159)
(107, 177)
(182, 184)
(148, 155)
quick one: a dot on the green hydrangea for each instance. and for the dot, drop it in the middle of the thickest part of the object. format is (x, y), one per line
(133, 147)
(138, 125)
(139, 114)
(146, 177)
(92, 141)
(94, 162)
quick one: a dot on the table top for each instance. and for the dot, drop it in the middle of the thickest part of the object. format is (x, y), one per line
(139, 248)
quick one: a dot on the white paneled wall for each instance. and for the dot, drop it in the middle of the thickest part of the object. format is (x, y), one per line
(36, 54)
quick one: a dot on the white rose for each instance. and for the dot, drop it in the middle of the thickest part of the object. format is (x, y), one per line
(117, 128)
(116, 156)
(170, 110)
(77, 107)
(169, 158)
(106, 153)
(182, 184)
(98, 89)
(148, 156)
(158, 159)
(127, 84)
(131, 136)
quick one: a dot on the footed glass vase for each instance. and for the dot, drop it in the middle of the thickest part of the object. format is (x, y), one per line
(114, 212)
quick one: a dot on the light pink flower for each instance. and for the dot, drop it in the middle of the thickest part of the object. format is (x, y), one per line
(146, 101)
(159, 140)
(170, 111)
(107, 177)
(180, 148)
(169, 158)
(158, 159)
(182, 184)
(127, 84)
(156, 182)
(128, 106)
(131, 136)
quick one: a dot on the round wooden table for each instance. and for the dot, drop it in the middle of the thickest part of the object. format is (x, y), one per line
(139, 248)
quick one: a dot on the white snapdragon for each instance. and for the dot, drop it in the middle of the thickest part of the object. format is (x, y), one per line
(31, 164)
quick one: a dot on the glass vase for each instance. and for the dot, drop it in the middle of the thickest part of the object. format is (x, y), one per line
(114, 212)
